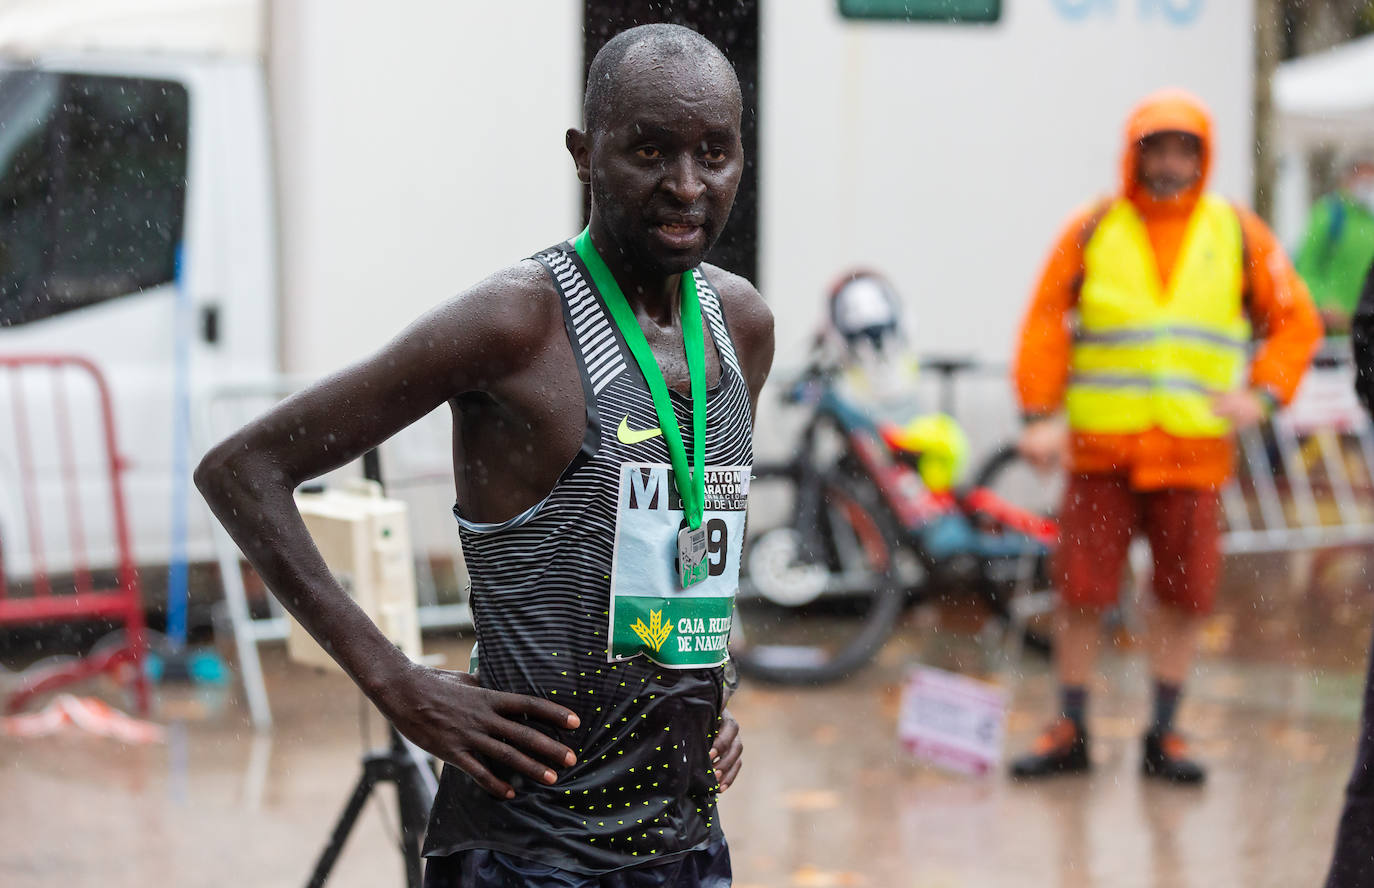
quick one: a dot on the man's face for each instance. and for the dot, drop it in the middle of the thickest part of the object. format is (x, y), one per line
(666, 161)
(1169, 163)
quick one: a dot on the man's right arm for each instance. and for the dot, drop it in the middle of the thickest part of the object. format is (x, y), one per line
(1041, 364)
(470, 343)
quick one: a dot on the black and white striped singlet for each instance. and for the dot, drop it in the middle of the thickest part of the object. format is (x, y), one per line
(643, 787)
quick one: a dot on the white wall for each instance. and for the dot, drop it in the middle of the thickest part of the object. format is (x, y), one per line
(420, 148)
(948, 156)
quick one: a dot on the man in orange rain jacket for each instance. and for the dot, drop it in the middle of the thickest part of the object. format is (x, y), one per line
(1134, 369)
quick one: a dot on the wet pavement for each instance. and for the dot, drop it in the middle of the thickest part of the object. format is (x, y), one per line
(827, 797)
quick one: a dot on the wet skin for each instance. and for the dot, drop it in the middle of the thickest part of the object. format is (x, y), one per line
(664, 166)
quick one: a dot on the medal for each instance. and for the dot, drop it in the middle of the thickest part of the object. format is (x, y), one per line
(690, 482)
(691, 555)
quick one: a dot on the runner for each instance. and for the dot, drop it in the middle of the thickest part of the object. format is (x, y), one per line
(602, 397)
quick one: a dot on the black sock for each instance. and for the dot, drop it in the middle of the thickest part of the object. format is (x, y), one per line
(1166, 702)
(1075, 703)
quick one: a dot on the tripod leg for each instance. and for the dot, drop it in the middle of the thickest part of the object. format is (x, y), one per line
(343, 827)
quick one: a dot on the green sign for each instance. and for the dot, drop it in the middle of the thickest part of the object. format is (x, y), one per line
(924, 10)
(673, 632)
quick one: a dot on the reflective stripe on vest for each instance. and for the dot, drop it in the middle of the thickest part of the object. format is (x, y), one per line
(1146, 357)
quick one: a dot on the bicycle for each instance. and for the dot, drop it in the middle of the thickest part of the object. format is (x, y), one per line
(846, 530)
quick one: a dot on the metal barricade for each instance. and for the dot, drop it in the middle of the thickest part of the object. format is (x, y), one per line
(419, 470)
(60, 469)
(1306, 480)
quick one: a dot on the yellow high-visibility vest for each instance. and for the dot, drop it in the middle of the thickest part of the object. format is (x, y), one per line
(1146, 357)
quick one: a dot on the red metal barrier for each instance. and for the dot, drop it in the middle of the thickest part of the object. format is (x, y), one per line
(90, 597)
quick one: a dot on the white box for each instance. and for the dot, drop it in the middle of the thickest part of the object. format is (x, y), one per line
(365, 540)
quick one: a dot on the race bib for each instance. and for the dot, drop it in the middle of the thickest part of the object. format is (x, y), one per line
(652, 614)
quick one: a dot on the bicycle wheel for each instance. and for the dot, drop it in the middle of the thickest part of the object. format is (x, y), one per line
(818, 589)
(1010, 504)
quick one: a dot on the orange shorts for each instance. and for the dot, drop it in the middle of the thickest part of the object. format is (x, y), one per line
(1100, 515)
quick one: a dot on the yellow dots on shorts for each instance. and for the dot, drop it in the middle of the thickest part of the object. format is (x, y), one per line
(621, 822)
(562, 673)
(553, 692)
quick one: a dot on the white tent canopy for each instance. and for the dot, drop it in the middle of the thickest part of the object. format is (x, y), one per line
(1327, 98)
(1321, 101)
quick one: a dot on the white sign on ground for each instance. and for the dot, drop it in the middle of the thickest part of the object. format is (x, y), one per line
(952, 721)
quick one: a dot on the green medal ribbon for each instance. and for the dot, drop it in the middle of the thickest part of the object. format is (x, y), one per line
(691, 486)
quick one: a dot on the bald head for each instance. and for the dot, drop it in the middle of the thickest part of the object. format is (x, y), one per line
(654, 44)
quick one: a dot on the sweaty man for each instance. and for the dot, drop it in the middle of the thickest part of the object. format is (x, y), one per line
(1139, 336)
(602, 397)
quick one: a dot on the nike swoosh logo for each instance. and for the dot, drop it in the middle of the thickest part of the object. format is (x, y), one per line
(628, 435)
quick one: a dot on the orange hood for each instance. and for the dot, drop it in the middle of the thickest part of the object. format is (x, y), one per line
(1168, 110)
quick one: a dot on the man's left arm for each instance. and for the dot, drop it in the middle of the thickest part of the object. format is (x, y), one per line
(751, 327)
(1286, 325)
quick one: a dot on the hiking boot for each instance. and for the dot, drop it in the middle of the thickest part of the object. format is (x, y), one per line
(1062, 749)
(1166, 758)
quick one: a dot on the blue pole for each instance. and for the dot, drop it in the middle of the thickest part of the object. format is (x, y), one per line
(177, 572)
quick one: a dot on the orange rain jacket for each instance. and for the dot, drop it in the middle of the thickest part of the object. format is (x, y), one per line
(1279, 307)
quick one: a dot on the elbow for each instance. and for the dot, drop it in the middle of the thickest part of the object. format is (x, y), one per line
(219, 471)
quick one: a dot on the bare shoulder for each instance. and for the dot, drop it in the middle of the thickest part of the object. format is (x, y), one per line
(750, 320)
(499, 324)
(518, 305)
(749, 317)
